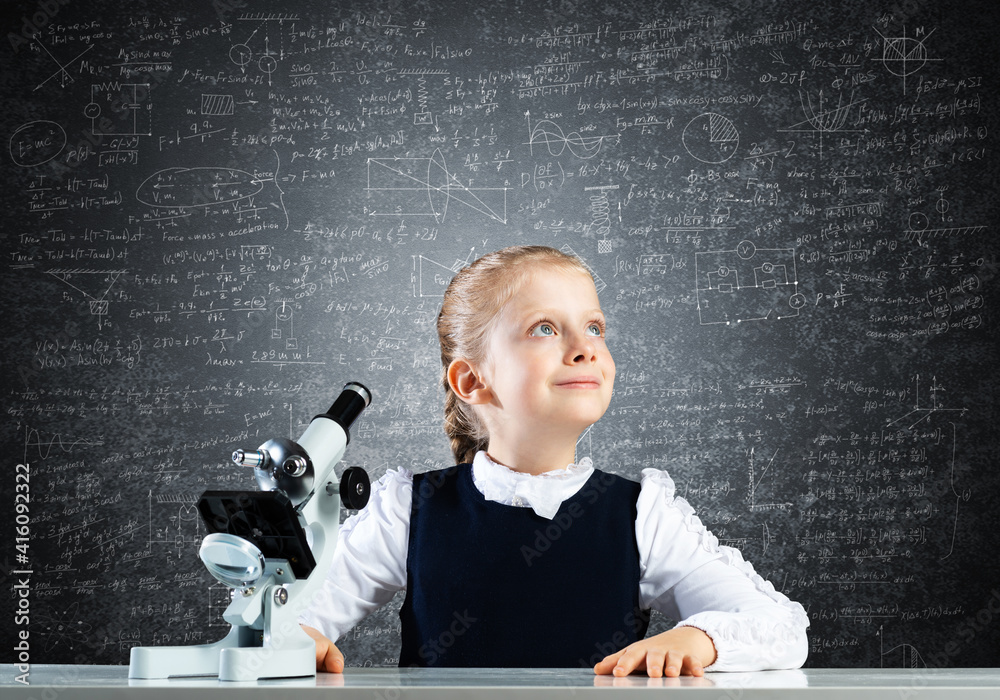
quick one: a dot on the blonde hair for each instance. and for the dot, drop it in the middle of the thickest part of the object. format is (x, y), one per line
(473, 304)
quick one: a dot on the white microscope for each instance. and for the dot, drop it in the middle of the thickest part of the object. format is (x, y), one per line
(273, 547)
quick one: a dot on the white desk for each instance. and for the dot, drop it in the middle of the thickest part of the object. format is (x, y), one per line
(112, 683)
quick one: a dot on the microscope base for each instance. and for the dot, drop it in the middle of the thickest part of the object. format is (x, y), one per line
(238, 656)
(192, 660)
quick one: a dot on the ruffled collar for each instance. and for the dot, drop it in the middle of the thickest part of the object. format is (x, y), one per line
(543, 493)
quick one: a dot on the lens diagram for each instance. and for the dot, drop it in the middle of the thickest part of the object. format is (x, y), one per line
(747, 284)
(424, 187)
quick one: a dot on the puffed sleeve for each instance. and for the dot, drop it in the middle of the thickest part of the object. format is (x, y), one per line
(369, 563)
(687, 575)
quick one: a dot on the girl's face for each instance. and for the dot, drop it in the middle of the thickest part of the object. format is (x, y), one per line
(549, 369)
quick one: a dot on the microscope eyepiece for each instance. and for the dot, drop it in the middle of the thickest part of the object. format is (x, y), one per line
(361, 390)
(354, 399)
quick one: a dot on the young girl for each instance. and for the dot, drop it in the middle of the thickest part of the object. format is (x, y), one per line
(521, 556)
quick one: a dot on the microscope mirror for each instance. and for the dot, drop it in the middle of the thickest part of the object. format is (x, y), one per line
(236, 562)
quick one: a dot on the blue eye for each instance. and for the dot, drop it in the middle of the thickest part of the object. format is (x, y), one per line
(595, 329)
(543, 330)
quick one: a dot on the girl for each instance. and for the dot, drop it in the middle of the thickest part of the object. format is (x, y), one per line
(520, 556)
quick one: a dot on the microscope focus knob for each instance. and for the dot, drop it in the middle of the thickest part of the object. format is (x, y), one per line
(296, 465)
(355, 488)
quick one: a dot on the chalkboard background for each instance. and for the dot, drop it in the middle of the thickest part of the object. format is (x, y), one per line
(217, 213)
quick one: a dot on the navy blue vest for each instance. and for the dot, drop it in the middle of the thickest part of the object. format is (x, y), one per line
(500, 586)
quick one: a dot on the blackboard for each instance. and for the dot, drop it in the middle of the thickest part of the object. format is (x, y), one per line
(217, 213)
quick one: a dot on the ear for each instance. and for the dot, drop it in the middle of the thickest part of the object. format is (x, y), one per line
(467, 384)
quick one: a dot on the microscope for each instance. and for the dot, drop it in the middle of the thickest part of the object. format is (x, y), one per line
(272, 547)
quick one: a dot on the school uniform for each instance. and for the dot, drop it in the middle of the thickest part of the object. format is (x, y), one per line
(504, 569)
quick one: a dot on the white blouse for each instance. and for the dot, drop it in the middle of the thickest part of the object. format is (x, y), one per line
(684, 572)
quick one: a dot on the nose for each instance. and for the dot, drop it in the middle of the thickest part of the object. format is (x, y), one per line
(580, 349)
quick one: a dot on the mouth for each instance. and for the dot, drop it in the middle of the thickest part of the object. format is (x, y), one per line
(580, 383)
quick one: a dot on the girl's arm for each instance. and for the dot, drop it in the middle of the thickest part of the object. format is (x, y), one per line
(752, 626)
(708, 587)
(369, 564)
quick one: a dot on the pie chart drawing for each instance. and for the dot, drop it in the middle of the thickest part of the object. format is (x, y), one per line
(711, 138)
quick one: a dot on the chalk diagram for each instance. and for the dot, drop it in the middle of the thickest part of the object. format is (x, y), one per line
(424, 187)
(755, 480)
(910, 655)
(746, 284)
(185, 188)
(178, 190)
(243, 55)
(431, 278)
(184, 531)
(822, 119)
(124, 109)
(65, 627)
(219, 598)
(924, 409)
(423, 116)
(711, 138)
(217, 105)
(94, 285)
(284, 325)
(557, 142)
(33, 439)
(919, 226)
(62, 73)
(904, 55)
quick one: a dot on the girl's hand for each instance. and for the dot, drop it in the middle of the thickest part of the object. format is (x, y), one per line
(328, 656)
(682, 651)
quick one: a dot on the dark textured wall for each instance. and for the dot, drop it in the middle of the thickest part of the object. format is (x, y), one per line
(217, 213)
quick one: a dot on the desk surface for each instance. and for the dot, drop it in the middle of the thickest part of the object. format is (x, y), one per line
(112, 683)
